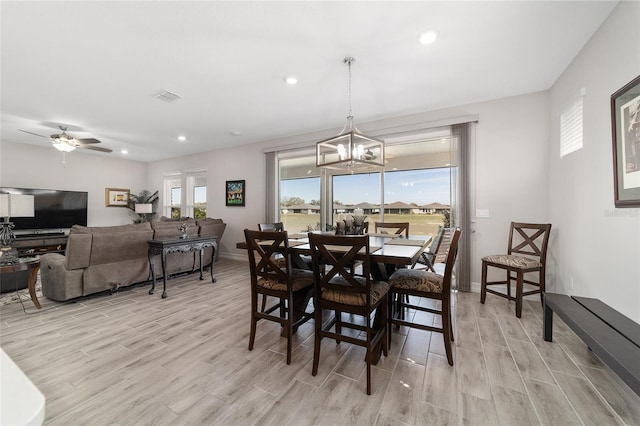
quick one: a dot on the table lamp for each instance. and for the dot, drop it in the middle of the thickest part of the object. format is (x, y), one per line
(143, 209)
(12, 205)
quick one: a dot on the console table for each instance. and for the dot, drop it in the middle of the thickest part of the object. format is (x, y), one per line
(182, 245)
(31, 264)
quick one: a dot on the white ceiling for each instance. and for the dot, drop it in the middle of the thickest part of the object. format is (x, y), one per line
(95, 66)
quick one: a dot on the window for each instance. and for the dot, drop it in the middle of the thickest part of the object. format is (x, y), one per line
(571, 125)
(196, 202)
(172, 195)
(415, 187)
(299, 194)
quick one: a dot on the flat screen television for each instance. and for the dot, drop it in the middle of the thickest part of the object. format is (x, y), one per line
(54, 210)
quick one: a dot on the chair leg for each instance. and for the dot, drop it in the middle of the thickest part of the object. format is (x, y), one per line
(389, 317)
(385, 321)
(541, 280)
(519, 285)
(289, 326)
(509, 284)
(447, 332)
(483, 287)
(264, 302)
(254, 321)
(317, 339)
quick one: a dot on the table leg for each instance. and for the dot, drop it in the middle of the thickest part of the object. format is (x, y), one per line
(164, 275)
(213, 254)
(153, 274)
(201, 251)
(33, 276)
(548, 323)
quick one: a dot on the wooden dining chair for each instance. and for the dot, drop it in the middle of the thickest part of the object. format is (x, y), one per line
(269, 278)
(435, 256)
(526, 253)
(397, 228)
(429, 285)
(341, 291)
(273, 226)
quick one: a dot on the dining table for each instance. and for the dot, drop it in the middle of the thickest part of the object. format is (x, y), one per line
(387, 252)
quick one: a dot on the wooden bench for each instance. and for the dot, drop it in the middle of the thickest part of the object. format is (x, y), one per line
(613, 337)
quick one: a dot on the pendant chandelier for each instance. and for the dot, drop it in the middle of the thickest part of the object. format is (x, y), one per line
(350, 149)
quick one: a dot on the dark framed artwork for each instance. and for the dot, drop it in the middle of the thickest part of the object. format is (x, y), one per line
(625, 124)
(116, 197)
(235, 193)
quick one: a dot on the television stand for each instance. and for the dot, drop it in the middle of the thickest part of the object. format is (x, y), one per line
(35, 244)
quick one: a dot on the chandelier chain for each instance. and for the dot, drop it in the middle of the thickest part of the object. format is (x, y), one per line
(348, 61)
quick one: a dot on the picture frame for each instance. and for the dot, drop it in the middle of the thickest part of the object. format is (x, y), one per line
(235, 193)
(625, 125)
(116, 197)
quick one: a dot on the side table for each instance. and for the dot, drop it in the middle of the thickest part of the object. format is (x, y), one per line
(163, 247)
(22, 264)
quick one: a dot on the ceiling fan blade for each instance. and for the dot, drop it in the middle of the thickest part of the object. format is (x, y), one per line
(88, 141)
(94, 148)
(31, 133)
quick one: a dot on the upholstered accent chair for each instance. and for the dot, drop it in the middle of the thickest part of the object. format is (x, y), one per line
(425, 284)
(291, 287)
(526, 254)
(341, 291)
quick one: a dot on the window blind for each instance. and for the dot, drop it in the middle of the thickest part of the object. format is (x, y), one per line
(571, 125)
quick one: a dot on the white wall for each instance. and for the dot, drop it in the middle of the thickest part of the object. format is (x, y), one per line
(30, 166)
(597, 245)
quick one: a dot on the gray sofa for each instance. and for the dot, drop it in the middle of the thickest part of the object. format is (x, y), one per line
(106, 258)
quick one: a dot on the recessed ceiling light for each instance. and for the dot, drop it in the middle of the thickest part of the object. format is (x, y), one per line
(124, 151)
(236, 133)
(427, 37)
(182, 138)
(291, 80)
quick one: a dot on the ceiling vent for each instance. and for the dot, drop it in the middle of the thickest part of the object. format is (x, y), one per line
(167, 96)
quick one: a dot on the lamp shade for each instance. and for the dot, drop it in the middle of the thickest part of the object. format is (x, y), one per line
(16, 205)
(144, 208)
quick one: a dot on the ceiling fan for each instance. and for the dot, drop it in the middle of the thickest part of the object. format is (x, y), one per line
(66, 143)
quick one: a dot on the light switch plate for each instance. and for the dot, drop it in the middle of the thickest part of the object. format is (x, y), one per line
(482, 213)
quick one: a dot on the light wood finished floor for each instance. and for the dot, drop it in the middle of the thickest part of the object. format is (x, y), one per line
(135, 359)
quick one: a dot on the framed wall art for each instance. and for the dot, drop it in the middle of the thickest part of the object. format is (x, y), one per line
(114, 197)
(625, 124)
(235, 193)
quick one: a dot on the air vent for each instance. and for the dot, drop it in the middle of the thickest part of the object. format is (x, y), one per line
(167, 96)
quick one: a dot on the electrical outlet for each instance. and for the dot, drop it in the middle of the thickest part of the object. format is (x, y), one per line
(482, 213)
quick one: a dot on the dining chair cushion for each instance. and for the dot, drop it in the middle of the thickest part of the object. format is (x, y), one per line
(416, 279)
(378, 290)
(513, 261)
(301, 278)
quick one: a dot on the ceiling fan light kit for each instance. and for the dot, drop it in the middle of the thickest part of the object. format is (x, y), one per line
(65, 143)
(350, 149)
(63, 146)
